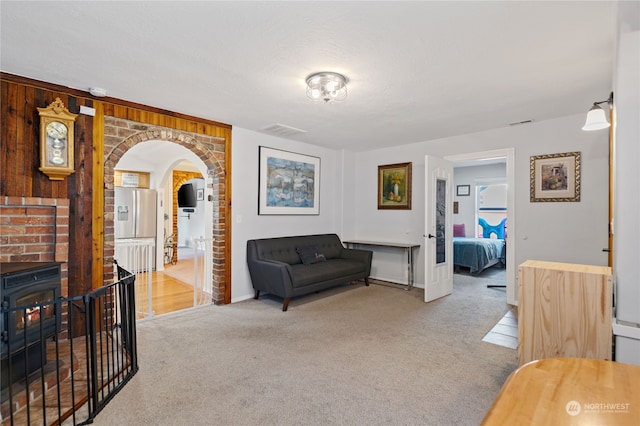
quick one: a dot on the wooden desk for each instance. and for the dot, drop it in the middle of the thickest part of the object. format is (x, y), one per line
(569, 391)
(408, 248)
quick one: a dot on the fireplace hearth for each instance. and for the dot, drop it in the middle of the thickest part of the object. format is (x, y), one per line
(29, 316)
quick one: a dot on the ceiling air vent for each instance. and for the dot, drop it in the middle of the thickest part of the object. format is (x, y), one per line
(282, 130)
(517, 123)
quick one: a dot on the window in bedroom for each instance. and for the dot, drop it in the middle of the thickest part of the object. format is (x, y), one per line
(492, 203)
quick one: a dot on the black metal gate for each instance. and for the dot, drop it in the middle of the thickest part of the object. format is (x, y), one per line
(73, 375)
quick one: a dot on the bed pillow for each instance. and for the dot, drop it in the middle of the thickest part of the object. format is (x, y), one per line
(458, 230)
(310, 254)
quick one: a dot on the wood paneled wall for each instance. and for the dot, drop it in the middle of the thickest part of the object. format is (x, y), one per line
(19, 174)
(19, 156)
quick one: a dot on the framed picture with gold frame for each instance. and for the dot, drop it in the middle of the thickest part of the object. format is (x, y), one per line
(555, 177)
(394, 186)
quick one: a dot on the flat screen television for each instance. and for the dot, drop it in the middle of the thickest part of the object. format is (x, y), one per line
(187, 196)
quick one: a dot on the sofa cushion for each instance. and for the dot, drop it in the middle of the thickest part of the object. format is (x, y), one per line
(283, 249)
(310, 255)
(323, 271)
(278, 249)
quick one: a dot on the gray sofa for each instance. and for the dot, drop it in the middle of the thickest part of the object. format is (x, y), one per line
(276, 265)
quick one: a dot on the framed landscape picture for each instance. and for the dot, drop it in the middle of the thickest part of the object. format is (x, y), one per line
(288, 183)
(555, 177)
(394, 186)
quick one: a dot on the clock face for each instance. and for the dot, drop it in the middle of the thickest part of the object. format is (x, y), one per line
(57, 130)
(56, 145)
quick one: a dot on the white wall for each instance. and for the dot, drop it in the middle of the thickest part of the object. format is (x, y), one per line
(627, 180)
(191, 225)
(245, 221)
(564, 232)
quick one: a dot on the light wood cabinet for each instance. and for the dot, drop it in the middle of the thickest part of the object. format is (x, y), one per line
(564, 310)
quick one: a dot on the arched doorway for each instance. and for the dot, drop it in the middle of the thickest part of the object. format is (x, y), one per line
(209, 150)
(180, 178)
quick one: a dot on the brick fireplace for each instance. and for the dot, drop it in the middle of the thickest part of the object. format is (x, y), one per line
(36, 230)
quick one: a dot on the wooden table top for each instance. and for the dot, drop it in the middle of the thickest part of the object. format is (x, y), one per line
(382, 243)
(569, 391)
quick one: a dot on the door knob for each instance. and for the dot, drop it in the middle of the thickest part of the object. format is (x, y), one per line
(431, 236)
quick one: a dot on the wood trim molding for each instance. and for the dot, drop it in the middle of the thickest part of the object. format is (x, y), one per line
(25, 81)
(97, 186)
(228, 219)
(611, 184)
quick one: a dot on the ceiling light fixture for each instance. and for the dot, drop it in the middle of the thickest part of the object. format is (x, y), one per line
(327, 87)
(596, 118)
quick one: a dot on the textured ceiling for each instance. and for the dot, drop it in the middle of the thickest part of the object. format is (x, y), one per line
(417, 70)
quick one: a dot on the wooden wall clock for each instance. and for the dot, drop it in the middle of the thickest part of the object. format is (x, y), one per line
(56, 140)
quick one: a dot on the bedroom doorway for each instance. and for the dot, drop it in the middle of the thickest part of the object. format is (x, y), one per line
(508, 157)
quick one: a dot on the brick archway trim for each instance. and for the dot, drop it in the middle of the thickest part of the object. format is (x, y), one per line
(122, 135)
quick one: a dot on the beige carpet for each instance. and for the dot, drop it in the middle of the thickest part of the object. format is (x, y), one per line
(353, 355)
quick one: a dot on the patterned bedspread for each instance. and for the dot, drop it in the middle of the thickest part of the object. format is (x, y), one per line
(477, 254)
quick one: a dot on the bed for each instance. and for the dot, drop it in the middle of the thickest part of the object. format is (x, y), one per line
(478, 254)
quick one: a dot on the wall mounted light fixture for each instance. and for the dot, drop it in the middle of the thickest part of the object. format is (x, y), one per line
(327, 87)
(596, 117)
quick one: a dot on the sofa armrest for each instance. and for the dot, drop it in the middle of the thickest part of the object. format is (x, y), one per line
(363, 256)
(272, 277)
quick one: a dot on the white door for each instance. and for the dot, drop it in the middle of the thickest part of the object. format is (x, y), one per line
(438, 238)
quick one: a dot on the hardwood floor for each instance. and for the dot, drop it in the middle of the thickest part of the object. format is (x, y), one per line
(172, 290)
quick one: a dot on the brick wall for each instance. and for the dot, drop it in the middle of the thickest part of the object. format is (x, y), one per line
(35, 230)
